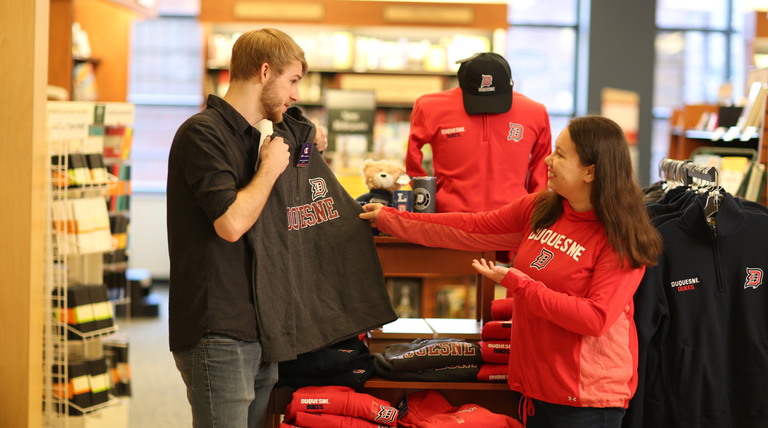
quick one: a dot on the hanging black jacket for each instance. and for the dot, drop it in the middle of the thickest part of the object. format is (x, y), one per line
(702, 322)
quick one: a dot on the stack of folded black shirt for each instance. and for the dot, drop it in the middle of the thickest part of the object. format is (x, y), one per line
(347, 363)
(429, 360)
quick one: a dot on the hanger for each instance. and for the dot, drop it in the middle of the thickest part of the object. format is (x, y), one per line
(696, 177)
(671, 172)
(711, 177)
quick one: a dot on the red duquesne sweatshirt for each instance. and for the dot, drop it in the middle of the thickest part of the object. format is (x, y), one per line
(573, 337)
(481, 161)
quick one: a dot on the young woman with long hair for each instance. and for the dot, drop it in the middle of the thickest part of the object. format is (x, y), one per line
(582, 249)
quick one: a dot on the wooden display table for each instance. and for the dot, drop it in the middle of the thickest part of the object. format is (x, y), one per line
(400, 258)
(404, 259)
(495, 397)
(408, 329)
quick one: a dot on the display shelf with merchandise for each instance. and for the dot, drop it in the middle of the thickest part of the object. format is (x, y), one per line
(99, 72)
(396, 68)
(398, 64)
(79, 313)
(401, 259)
(736, 129)
(756, 39)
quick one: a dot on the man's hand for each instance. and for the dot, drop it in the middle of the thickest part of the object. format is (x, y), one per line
(249, 203)
(321, 137)
(274, 155)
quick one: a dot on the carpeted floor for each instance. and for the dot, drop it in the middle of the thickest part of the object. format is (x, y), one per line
(158, 393)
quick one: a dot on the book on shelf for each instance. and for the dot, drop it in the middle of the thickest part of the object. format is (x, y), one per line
(753, 184)
(84, 86)
(751, 116)
(98, 172)
(733, 170)
(707, 159)
(707, 121)
(118, 141)
(94, 143)
(91, 222)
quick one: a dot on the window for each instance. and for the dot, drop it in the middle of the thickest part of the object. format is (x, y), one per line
(693, 14)
(165, 80)
(540, 12)
(690, 67)
(545, 70)
(541, 50)
(699, 47)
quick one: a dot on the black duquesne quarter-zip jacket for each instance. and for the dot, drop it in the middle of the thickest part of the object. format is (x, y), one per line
(702, 322)
(317, 275)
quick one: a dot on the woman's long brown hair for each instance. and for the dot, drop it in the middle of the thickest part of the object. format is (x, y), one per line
(616, 196)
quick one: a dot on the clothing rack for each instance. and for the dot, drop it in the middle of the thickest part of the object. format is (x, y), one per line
(708, 177)
(685, 171)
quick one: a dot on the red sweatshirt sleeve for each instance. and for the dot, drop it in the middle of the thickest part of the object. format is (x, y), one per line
(443, 236)
(610, 292)
(501, 229)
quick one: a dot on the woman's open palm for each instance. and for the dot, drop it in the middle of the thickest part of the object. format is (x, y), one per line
(490, 270)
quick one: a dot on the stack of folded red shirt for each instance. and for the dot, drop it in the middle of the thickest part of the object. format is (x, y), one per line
(430, 409)
(342, 407)
(337, 406)
(495, 342)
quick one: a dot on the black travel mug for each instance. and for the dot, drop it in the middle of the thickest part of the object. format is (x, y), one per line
(424, 189)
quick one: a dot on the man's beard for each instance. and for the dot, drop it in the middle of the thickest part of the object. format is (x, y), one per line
(271, 102)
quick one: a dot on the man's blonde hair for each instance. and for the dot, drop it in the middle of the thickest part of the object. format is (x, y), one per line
(266, 45)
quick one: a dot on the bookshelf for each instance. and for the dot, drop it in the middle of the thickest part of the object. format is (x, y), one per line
(756, 39)
(437, 267)
(399, 51)
(686, 140)
(108, 23)
(756, 57)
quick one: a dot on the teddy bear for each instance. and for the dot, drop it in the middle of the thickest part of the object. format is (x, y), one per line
(381, 178)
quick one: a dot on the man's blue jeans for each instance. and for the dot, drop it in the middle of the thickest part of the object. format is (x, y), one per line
(227, 384)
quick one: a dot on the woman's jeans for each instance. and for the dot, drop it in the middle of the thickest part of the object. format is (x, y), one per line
(227, 384)
(548, 415)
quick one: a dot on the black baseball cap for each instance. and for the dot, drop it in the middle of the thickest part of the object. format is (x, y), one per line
(486, 83)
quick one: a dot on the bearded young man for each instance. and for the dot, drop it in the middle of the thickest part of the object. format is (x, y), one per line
(219, 180)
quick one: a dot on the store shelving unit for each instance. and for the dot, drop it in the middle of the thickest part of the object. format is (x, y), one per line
(404, 259)
(78, 378)
(687, 139)
(108, 24)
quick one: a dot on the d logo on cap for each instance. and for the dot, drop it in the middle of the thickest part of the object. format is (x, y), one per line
(487, 81)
